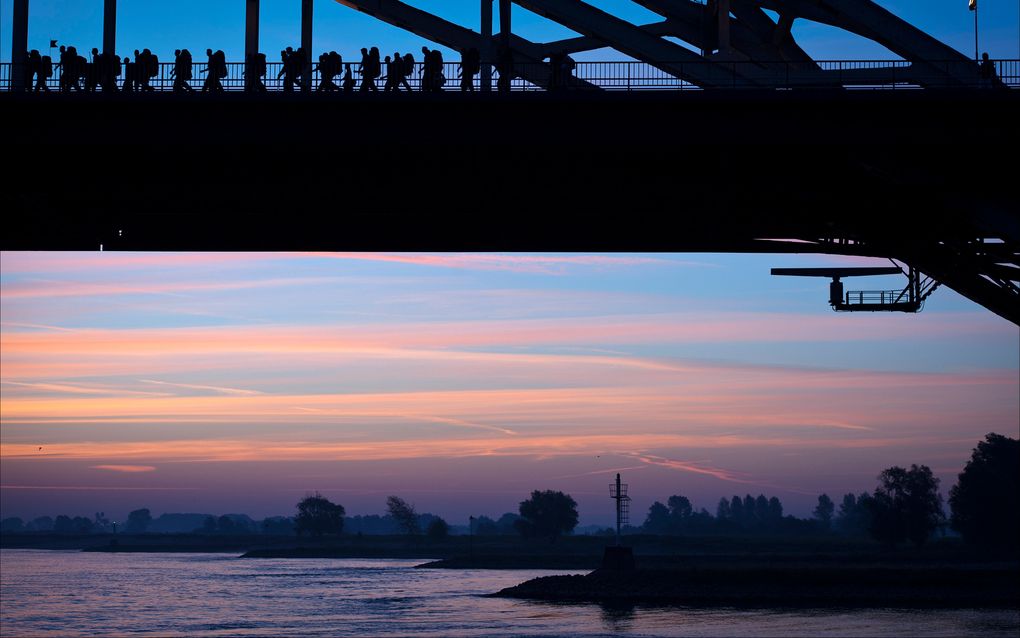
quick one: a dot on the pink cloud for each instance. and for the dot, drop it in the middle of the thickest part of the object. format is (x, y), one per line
(547, 264)
(38, 263)
(129, 469)
(30, 289)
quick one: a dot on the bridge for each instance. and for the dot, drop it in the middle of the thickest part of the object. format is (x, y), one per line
(740, 45)
(723, 161)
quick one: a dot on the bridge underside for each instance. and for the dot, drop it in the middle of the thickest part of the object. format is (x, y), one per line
(916, 176)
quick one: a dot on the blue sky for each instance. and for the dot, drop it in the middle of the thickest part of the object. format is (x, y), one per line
(219, 24)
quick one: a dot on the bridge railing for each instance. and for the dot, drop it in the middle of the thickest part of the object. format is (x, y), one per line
(633, 76)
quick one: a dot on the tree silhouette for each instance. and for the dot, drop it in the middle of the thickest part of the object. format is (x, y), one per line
(823, 512)
(547, 514)
(854, 518)
(985, 502)
(403, 514)
(657, 521)
(64, 524)
(317, 515)
(138, 521)
(438, 529)
(679, 508)
(722, 510)
(906, 505)
(775, 509)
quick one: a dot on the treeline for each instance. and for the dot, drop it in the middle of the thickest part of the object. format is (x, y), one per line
(905, 506)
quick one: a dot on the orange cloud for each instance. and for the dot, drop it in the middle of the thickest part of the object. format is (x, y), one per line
(130, 469)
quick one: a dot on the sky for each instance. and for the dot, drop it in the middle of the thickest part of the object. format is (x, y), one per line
(238, 383)
(201, 24)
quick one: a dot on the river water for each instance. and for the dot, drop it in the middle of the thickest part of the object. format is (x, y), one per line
(58, 593)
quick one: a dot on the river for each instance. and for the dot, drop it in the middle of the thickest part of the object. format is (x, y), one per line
(61, 593)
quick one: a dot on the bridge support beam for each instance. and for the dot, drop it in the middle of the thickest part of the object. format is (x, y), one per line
(506, 27)
(631, 40)
(454, 36)
(306, 43)
(110, 26)
(251, 42)
(19, 47)
(486, 49)
(724, 25)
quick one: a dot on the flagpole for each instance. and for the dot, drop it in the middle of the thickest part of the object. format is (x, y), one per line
(977, 56)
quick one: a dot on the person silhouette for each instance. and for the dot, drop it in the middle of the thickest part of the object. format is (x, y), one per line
(408, 68)
(182, 71)
(148, 68)
(92, 71)
(259, 68)
(986, 72)
(76, 69)
(403, 70)
(368, 71)
(470, 66)
(33, 61)
(220, 64)
(207, 86)
(289, 57)
(130, 73)
(438, 70)
(391, 75)
(375, 71)
(328, 69)
(428, 71)
(109, 71)
(348, 81)
(505, 68)
(42, 67)
(300, 69)
(115, 69)
(65, 73)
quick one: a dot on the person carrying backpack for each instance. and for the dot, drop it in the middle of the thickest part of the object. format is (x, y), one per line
(470, 66)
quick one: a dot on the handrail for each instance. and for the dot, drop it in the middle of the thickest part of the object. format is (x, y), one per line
(638, 76)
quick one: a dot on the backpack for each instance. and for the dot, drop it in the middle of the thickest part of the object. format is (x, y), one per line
(153, 65)
(220, 59)
(260, 64)
(47, 66)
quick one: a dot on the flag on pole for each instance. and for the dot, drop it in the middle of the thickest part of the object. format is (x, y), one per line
(53, 44)
(972, 5)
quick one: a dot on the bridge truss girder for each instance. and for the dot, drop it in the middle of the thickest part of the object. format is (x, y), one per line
(526, 64)
(762, 50)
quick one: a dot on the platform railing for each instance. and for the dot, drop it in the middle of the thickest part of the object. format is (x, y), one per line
(867, 297)
(627, 76)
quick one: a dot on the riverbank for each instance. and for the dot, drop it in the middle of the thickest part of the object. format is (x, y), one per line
(800, 586)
